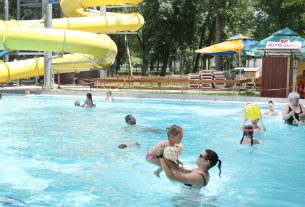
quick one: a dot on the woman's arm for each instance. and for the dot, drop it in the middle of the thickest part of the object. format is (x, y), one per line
(255, 141)
(168, 171)
(189, 178)
(303, 110)
(243, 124)
(286, 114)
(263, 128)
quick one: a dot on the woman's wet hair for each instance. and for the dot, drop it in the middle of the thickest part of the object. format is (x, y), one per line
(213, 158)
(174, 130)
(271, 102)
(109, 93)
(89, 96)
(248, 131)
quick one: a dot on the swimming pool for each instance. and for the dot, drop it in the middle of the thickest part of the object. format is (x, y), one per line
(55, 154)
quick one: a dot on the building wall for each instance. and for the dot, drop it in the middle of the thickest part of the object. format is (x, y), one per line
(301, 66)
(274, 77)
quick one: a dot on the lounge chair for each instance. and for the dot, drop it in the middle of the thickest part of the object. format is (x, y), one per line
(219, 75)
(194, 76)
(206, 75)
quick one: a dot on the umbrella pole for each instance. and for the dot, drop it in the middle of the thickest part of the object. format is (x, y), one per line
(239, 58)
(239, 65)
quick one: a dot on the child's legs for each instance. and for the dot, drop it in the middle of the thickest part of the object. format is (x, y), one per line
(154, 161)
(158, 171)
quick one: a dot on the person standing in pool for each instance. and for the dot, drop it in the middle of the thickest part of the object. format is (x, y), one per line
(248, 136)
(89, 102)
(293, 110)
(271, 111)
(194, 177)
(254, 123)
(109, 97)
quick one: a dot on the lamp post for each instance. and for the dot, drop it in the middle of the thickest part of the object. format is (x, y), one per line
(6, 12)
(47, 12)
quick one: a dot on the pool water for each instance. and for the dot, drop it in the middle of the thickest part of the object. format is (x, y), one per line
(55, 154)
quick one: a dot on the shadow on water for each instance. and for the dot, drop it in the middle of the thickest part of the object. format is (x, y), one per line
(8, 201)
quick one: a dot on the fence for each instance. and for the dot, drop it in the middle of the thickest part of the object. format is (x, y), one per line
(162, 83)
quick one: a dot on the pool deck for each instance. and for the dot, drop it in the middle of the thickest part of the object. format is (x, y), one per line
(176, 95)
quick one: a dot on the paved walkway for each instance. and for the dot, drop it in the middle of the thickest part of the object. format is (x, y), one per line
(185, 95)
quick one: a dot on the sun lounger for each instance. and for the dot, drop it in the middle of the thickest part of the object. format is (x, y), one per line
(206, 75)
(194, 76)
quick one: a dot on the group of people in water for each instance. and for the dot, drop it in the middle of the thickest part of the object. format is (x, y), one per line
(89, 101)
(165, 153)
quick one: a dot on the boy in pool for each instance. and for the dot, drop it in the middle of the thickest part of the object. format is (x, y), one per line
(128, 144)
(132, 125)
(174, 134)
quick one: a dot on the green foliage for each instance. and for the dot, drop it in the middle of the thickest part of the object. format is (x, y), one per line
(272, 16)
(174, 29)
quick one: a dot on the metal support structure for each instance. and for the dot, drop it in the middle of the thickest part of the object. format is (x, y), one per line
(288, 76)
(6, 14)
(103, 10)
(18, 10)
(48, 80)
(128, 56)
(58, 81)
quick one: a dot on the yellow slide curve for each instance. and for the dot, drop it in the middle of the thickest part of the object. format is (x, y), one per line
(76, 34)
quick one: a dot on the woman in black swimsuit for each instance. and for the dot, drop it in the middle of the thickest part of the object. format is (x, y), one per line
(196, 177)
(293, 110)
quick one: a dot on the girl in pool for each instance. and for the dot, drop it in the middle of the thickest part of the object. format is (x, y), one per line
(255, 126)
(174, 134)
(109, 96)
(248, 136)
(271, 111)
(89, 101)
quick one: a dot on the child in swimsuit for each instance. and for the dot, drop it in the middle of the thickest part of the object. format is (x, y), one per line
(89, 102)
(248, 136)
(174, 134)
(109, 97)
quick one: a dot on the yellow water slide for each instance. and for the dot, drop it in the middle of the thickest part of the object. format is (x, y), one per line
(83, 33)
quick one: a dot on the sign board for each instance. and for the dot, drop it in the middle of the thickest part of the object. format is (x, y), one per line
(53, 1)
(284, 44)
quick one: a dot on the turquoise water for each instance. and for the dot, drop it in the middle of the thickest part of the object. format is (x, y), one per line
(55, 154)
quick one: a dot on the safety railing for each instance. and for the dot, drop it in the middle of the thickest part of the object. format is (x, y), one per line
(164, 83)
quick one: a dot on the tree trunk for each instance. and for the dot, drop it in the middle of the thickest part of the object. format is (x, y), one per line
(219, 30)
(151, 65)
(145, 55)
(145, 62)
(170, 64)
(165, 62)
(200, 46)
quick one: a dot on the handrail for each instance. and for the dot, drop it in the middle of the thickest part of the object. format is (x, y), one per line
(166, 80)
